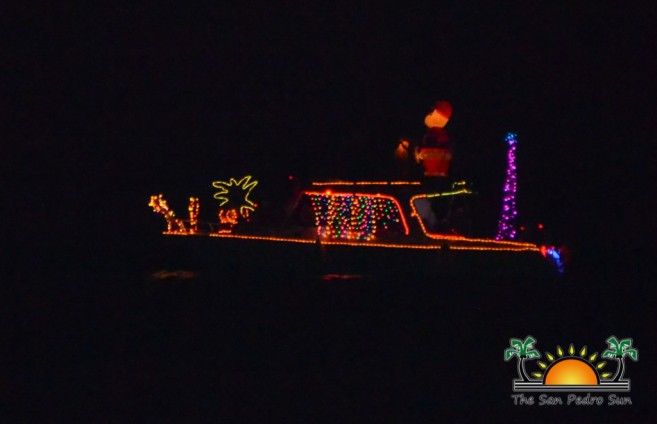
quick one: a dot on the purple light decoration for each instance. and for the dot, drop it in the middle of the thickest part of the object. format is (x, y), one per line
(506, 225)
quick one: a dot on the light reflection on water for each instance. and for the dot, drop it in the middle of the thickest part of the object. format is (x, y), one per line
(342, 277)
(187, 336)
(174, 275)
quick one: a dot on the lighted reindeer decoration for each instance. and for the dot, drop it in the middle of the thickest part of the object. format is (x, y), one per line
(160, 206)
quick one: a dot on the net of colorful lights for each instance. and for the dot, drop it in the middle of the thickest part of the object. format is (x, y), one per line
(357, 216)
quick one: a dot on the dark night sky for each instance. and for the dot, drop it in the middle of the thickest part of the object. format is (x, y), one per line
(130, 100)
(103, 105)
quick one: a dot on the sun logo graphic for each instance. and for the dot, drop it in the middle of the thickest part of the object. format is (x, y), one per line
(234, 202)
(571, 370)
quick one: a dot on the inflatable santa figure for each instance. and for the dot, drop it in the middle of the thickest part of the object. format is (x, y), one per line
(434, 151)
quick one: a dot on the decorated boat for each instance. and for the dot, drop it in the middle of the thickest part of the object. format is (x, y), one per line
(337, 226)
(346, 227)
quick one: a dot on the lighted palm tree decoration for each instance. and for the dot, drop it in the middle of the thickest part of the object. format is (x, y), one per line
(618, 350)
(522, 349)
(235, 194)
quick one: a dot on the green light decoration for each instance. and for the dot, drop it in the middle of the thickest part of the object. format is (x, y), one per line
(236, 194)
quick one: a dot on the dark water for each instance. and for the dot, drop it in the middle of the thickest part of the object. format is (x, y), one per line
(106, 342)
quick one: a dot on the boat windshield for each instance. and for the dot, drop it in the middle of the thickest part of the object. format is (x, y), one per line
(443, 214)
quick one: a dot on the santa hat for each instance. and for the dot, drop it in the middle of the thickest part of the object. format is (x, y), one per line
(439, 116)
(443, 108)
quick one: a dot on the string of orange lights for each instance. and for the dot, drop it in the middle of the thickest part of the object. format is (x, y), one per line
(370, 244)
(365, 183)
(193, 208)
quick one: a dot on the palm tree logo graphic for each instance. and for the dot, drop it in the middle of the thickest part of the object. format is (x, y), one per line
(571, 369)
(618, 350)
(522, 349)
